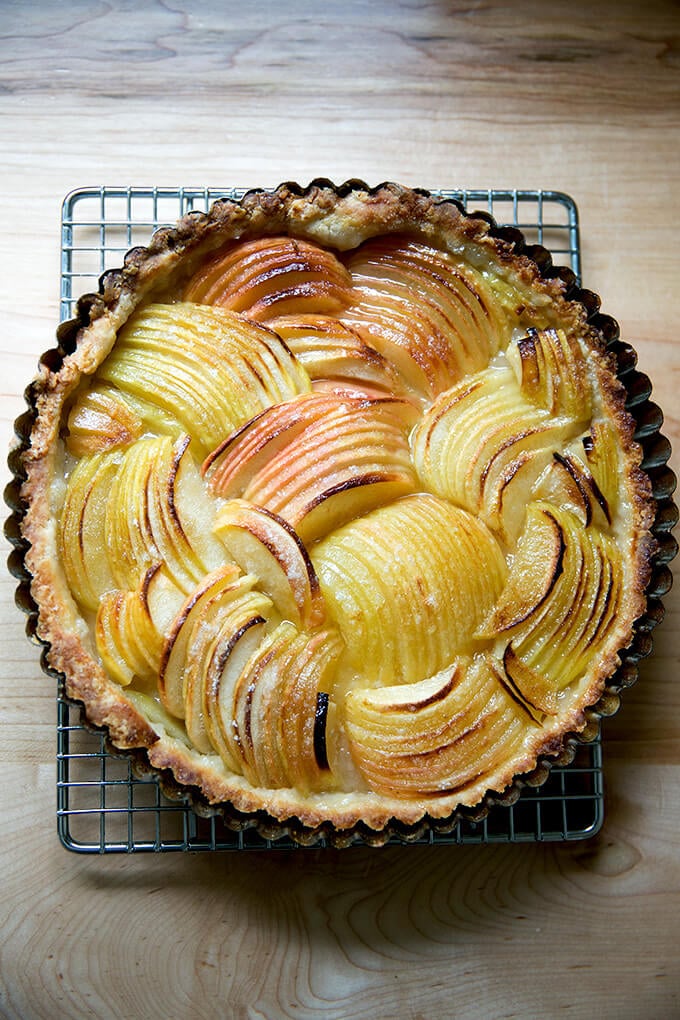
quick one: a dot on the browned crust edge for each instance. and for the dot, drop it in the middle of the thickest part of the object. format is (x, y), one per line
(320, 213)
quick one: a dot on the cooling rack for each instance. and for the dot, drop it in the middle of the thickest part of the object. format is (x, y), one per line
(103, 805)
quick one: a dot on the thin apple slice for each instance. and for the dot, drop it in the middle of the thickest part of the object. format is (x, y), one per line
(275, 707)
(423, 310)
(552, 372)
(127, 639)
(159, 511)
(331, 350)
(342, 465)
(82, 529)
(263, 544)
(226, 613)
(319, 460)
(568, 483)
(602, 450)
(236, 642)
(478, 440)
(409, 561)
(220, 584)
(230, 467)
(271, 276)
(207, 368)
(536, 567)
(559, 621)
(435, 736)
(100, 419)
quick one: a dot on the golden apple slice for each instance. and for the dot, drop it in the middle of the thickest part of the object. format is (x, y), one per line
(127, 639)
(568, 483)
(82, 531)
(423, 310)
(603, 455)
(536, 567)
(529, 685)
(435, 736)
(275, 709)
(207, 368)
(399, 585)
(224, 614)
(158, 511)
(266, 546)
(552, 372)
(237, 641)
(575, 602)
(218, 585)
(272, 276)
(482, 445)
(101, 419)
(329, 349)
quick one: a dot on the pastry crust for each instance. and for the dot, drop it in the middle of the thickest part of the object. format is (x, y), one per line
(340, 219)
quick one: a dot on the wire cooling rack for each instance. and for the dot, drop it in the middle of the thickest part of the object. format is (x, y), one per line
(103, 806)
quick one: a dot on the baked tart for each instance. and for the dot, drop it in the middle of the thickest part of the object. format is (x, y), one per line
(333, 510)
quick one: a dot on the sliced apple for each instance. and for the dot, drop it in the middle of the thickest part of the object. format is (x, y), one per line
(552, 372)
(568, 483)
(158, 511)
(100, 419)
(559, 620)
(231, 466)
(207, 368)
(331, 457)
(235, 644)
(602, 450)
(435, 736)
(263, 544)
(127, 639)
(536, 567)
(399, 585)
(226, 614)
(275, 707)
(482, 445)
(331, 350)
(423, 310)
(529, 686)
(82, 531)
(271, 276)
(220, 584)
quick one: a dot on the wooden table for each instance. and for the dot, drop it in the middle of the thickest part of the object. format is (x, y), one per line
(574, 96)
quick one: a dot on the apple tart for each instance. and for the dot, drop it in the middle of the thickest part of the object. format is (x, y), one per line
(333, 508)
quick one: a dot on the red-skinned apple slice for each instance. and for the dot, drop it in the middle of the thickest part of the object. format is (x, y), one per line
(271, 276)
(265, 545)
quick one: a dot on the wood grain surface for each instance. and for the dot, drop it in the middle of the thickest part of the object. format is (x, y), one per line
(580, 97)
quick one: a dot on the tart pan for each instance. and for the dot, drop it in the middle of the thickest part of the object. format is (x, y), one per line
(656, 451)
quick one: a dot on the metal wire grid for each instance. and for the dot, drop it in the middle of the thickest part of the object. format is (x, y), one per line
(102, 805)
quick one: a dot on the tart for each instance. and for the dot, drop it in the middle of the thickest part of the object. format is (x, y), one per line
(333, 510)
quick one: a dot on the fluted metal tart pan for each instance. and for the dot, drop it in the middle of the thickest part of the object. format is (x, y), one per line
(656, 449)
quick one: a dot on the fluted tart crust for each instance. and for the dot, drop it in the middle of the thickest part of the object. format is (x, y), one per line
(334, 509)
